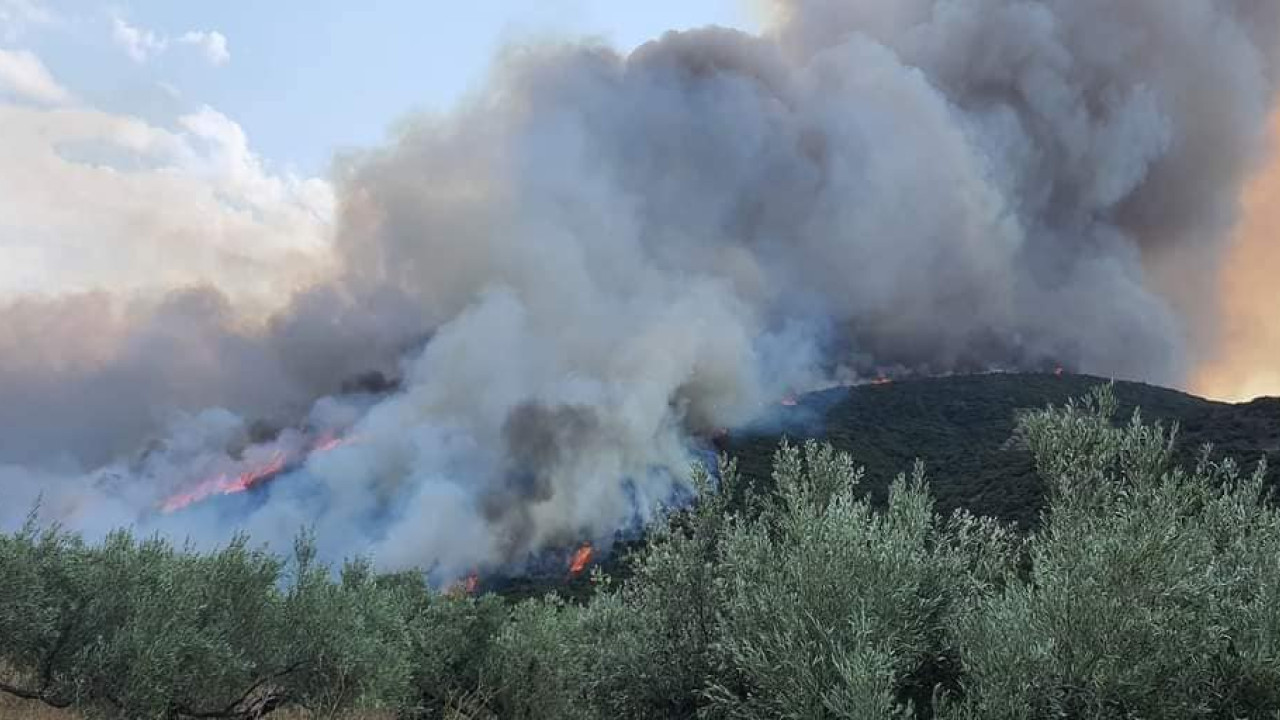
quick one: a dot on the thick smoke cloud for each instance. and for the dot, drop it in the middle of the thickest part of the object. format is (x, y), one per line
(597, 255)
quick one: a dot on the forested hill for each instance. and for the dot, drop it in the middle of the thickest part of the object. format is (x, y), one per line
(961, 426)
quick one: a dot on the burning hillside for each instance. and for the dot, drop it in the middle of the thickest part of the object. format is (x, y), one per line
(599, 258)
(251, 474)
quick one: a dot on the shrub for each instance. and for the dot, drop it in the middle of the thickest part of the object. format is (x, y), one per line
(539, 663)
(1152, 592)
(450, 639)
(835, 609)
(664, 621)
(643, 650)
(139, 629)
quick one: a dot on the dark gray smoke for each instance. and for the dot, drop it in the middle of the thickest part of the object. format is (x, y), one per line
(539, 442)
(597, 254)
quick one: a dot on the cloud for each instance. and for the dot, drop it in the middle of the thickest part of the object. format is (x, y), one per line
(24, 75)
(94, 200)
(142, 45)
(212, 43)
(18, 15)
(139, 44)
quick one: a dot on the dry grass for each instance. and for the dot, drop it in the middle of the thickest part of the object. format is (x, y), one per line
(12, 708)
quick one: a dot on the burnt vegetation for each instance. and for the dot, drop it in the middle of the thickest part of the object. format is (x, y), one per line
(1040, 557)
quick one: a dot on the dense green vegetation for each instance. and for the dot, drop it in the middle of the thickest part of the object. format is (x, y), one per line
(1148, 588)
(960, 427)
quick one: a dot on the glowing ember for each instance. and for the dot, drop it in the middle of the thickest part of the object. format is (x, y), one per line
(581, 558)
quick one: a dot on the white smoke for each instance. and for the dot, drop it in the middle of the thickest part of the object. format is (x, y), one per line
(597, 255)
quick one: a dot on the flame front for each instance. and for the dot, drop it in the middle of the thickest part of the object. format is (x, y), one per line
(581, 558)
(327, 443)
(224, 484)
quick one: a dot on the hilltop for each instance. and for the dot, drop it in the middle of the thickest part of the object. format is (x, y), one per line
(961, 427)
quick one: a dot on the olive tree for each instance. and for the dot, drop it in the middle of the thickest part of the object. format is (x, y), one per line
(834, 608)
(1153, 591)
(640, 650)
(140, 629)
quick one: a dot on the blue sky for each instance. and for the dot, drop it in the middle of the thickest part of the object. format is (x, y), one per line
(152, 144)
(305, 77)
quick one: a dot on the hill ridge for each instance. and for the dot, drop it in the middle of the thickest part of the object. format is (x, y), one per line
(959, 426)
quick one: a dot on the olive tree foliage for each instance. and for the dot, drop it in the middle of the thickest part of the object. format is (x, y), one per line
(450, 639)
(1154, 591)
(140, 629)
(641, 650)
(806, 603)
(667, 650)
(833, 608)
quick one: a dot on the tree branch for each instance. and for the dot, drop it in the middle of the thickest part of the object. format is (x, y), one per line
(235, 709)
(39, 695)
(64, 636)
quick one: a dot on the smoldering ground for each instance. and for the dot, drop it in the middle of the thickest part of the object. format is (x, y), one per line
(596, 254)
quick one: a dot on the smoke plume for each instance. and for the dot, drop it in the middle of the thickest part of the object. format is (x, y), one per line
(596, 256)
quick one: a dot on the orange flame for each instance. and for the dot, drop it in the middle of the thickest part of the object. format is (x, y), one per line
(581, 558)
(224, 485)
(464, 587)
(230, 485)
(327, 443)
